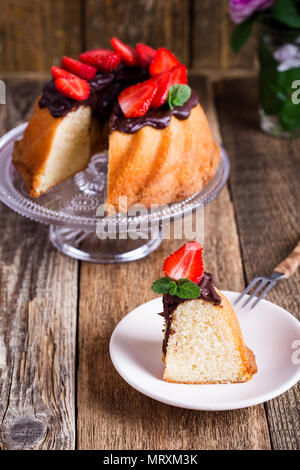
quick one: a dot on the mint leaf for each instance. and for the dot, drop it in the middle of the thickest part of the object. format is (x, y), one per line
(164, 285)
(286, 12)
(184, 288)
(187, 289)
(241, 33)
(173, 287)
(178, 95)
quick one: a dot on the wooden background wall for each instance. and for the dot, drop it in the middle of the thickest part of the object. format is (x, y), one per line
(34, 34)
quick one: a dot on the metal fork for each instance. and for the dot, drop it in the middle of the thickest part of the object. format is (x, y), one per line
(264, 284)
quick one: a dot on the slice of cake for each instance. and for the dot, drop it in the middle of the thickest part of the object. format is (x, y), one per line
(135, 102)
(203, 342)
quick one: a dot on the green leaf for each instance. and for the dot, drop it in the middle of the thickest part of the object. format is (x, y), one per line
(164, 285)
(173, 287)
(275, 87)
(241, 33)
(184, 288)
(287, 77)
(286, 12)
(178, 95)
(187, 289)
(289, 116)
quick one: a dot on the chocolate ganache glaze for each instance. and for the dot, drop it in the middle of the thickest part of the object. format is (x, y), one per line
(158, 118)
(104, 90)
(170, 302)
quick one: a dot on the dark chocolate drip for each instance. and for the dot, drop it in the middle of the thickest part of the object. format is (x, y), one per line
(158, 118)
(170, 303)
(105, 88)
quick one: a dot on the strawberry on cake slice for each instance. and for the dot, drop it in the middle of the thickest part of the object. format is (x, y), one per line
(203, 342)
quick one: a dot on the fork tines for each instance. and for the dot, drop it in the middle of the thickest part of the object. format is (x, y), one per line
(263, 285)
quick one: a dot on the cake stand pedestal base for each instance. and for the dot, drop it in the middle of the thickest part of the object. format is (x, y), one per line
(86, 246)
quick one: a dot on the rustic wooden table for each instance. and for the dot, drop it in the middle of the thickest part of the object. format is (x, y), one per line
(58, 387)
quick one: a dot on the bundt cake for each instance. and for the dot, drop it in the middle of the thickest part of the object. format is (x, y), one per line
(203, 342)
(137, 103)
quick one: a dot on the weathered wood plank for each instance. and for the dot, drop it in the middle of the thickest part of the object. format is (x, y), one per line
(38, 292)
(264, 184)
(34, 34)
(211, 31)
(158, 23)
(111, 415)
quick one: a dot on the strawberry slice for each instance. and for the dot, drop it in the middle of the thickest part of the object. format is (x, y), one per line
(179, 75)
(163, 60)
(57, 72)
(136, 99)
(163, 82)
(145, 53)
(104, 59)
(78, 68)
(129, 55)
(74, 87)
(185, 263)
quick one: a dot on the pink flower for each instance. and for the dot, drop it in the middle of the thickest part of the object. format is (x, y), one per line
(240, 10)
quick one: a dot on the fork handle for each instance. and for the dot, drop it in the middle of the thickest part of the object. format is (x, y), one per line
(289, 265)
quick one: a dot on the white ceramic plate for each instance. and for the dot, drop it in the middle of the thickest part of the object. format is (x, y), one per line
(270, 331)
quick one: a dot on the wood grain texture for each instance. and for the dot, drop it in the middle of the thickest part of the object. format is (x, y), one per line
(111, 415)
(211, 31)
(38, 292)
(158, 23)
(34, 34)
(264, 184)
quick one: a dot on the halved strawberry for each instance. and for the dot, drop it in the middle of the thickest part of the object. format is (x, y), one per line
(163, 82)
(129, 55)
(179, 74)
(78, 68)
(136, 99)
(74, 87)
(163, 60)
(58, 72)
(185, 263)
(146, 54)
(104, 59)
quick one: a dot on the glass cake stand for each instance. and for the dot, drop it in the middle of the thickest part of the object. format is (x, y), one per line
(70, 210)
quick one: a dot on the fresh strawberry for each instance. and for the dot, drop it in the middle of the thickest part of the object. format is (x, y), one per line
(179, 75)
(78, 68)
(104, 59)
(129, 55)
(163, 60)
(74, 87)
(136, 99)
(57, 72)
(185, 263)
(146, 54)
(163, 82)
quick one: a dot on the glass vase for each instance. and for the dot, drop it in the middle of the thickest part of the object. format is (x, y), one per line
(279, 81)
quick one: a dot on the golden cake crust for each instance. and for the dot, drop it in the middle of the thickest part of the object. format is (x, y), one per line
(160, 166)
